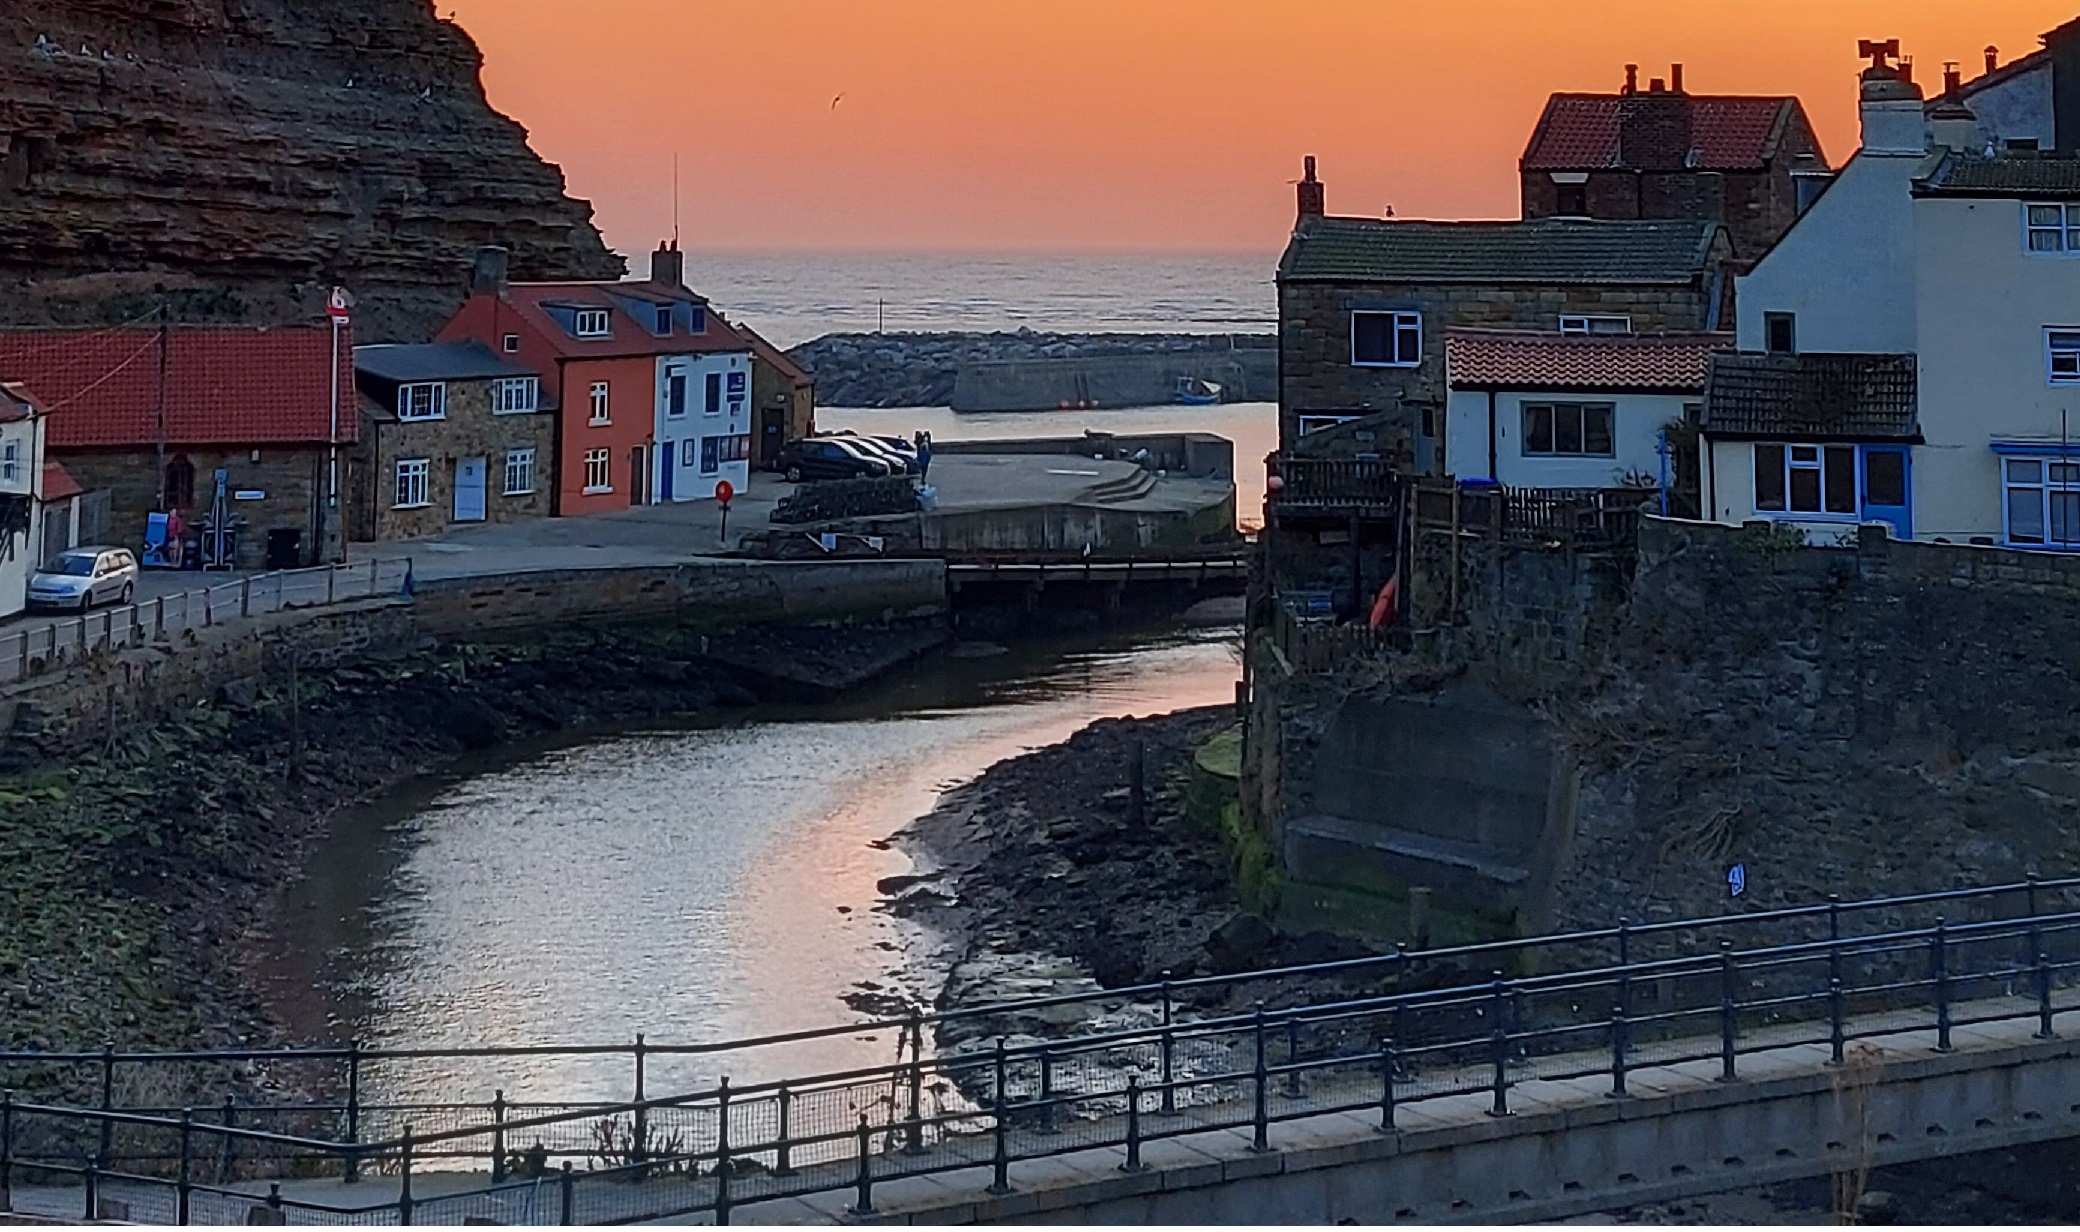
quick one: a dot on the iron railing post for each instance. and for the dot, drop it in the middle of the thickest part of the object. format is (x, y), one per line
(108, 1096)
(1000, 1144)
(498, 1136)
(863, 1197)
(1834, 937)
(1618, 1045)
(1046, 1090)
(353, 1165)
(914, 1133)
(1939, 976)
(1624, 967)
(1729, 1011)
(1133, 1163)
(404, 1177)
(2035, 938)
(183, 1188)
(1292, 1083)
(1260, 1121)
(639, 1144)
(6, 1150)
(2043, 974)
(722, 1164)
(1386, 1087)
(228, 1151)
(783, 1164)
(1498, 1038)
(568, 1195)
(1837, 1025)
(1169, 1048)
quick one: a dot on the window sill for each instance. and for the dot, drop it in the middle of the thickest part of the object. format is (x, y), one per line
(1569, 457)
(599, 423)
(1359, 363)
(598, 492)
(532, 410)
(420, 419)
(528, 492)
(1778, 515)
(409, 508)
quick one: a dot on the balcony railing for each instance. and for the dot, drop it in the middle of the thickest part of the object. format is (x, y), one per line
(1336, 483)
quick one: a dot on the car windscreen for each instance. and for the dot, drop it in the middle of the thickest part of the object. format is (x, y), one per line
(74, 566)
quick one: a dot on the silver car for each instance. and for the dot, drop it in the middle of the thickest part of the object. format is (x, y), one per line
(84, 577)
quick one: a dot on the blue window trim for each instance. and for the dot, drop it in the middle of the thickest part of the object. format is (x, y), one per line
(2037, 449)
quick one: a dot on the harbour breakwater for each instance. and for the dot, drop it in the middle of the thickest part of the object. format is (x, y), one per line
(1028, 370)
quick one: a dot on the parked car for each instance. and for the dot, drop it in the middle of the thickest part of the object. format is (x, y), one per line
(825, 457)
(900, 461)
(84, 577)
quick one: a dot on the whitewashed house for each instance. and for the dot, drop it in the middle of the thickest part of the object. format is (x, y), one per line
(22, 423)
(703, 423)
(1903, 349)
(1575, 410)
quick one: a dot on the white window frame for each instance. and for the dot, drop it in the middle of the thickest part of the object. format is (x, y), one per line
(686, 393)
(667, 317)
(1595, 324)
(2062, 355)
(412, 486)
(602, 403)
(1807, 456)
(599, 471)
(2055, 475)
(1311, 424)
(422, 401)
(593, 323)
(512, 344)
(11, 462)
(690, 452)
(1581, 412)
(520, 472)
(1402, 322)
(2064, 234)
(516, 395)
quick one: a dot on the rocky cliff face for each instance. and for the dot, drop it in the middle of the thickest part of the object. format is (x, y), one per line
(252, 154)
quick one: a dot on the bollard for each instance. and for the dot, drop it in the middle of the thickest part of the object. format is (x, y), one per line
(863, 1199)
(1260, 1120)
(782, 1164)
(1133, 1163)
(568, 1186)
(640, 1143)
(1939, 977)
(498, 1136)
(93, 1188)
(1498, 1047)
(1386, 1087)
(1000, 1147)
(353, 1166)
(1619, 1030)
(404, 1177)
(1837, 1025)
(2043, 973)
(722, 1164)
(1729, 1011)
(245, 597)
(184, 1186)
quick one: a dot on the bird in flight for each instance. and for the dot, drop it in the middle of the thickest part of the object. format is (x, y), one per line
(836, 101)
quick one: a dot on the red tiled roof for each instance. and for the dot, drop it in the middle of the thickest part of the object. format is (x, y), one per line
(631, 338)
(1579, 132)
(225, 385)
(1520, 360)
(58, 483)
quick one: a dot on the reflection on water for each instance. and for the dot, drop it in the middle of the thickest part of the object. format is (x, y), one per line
(695, 884)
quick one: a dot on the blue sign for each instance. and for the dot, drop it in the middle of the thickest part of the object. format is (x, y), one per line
(1737, 879)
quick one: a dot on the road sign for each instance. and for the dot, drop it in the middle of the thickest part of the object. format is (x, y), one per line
(725, 491)
(339, 305)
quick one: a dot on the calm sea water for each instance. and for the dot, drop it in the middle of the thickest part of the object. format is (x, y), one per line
(793, 297)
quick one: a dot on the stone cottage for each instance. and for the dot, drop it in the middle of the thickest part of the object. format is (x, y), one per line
(450, 434)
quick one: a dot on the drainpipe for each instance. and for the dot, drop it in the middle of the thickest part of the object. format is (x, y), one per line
(1491, 438)
(1661, 448)
(1711, 475)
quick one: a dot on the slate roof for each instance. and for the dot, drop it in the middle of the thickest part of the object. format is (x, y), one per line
(1543, 251)
(2016, 174)
(1579, 132)
(631, 338)
(226, 385)
(1521, 360)
(1812, 397)
(434, 361)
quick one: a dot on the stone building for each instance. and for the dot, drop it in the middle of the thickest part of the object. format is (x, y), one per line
(1364, 304)
(450, 434)
(1662, 152)
(783, 395)
(154, 418)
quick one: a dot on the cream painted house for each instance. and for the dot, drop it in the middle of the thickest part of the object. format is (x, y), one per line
(21, 481)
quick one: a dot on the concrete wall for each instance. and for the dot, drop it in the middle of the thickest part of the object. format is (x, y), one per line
(1112, 381)
(1636, 431)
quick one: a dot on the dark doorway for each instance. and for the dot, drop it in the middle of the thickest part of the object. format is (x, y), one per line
(180, 483)
(638, 475)
(772, 436)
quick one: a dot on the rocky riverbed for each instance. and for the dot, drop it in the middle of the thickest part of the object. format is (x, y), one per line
(918, 369)
(136, 876)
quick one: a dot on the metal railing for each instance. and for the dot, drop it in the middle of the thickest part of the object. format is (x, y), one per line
(1358, 484)
(1399, 1029)
(32, 651)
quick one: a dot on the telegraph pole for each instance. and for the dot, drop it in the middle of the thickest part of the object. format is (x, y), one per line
(165, 328)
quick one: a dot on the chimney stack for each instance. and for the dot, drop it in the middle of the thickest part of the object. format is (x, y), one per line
(1993, 58)
(1313, 198)
(668, 265)
(1632, 79)
(1675, 78)
(1953, 77)
(488, 273)
(1893, 122)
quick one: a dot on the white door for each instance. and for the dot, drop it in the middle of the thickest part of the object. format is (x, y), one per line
(469, 489)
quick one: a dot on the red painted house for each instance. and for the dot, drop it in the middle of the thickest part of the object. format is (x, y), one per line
(152, 420)
(609, 353)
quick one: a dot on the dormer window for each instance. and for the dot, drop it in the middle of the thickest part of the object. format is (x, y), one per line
(422, 400)
(592, 323)
(664, 318)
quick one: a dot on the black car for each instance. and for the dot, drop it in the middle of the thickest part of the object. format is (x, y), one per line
(826, 457)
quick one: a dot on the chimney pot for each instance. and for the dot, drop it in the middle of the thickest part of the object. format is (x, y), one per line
(1657, 86)
(1675, 78)
(1632, 79)
(1313, 197)
(489, 273)
(1993, 58)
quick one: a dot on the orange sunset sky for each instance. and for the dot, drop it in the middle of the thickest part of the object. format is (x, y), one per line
(1126, 125)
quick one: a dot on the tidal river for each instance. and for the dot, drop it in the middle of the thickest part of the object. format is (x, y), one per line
(698, 883)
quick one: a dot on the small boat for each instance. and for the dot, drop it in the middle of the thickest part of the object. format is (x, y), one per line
(1193, 391)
